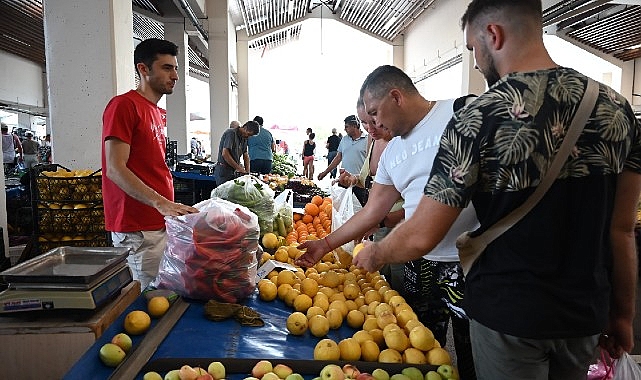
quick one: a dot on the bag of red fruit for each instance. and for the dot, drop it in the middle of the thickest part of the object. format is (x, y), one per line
(211, 254)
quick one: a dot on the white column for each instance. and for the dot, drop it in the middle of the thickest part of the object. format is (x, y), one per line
(89, 51)
(219, 72)
(25, 120)
(398, 52)
(177, 113)
(473, 81)
(3, 217)
(242, 56)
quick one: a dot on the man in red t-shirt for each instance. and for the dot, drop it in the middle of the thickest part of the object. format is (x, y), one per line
(137, 187)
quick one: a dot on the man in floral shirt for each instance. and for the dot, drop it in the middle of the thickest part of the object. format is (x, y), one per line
(563, 279)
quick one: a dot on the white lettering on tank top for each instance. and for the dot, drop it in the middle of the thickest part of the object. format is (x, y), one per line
(415, 148)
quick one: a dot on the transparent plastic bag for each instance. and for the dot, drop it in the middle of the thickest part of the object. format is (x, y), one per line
(626, 368)
(345, 205)
(284, 212)
(211, 254)
(252, 193)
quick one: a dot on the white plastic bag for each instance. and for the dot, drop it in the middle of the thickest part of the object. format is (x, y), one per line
(626, 368)
(345, 205)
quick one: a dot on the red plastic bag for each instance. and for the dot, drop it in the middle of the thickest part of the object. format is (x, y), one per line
(603, 369)
(211, 254)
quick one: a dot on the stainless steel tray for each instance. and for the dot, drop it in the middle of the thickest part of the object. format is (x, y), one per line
(74, 265)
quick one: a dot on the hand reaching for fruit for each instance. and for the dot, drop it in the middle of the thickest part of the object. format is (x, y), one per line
(368, 257)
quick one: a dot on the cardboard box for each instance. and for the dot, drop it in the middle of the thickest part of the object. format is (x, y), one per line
(270, 265)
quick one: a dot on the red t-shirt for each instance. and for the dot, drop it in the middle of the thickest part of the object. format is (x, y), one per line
(141, 124)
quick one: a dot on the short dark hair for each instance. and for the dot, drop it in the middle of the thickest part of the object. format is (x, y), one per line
(252, 127)
(352, 120)
(312, 135)
(259, 120)
(147, 51)
(4, 126)
(385, 78)
(477, 8)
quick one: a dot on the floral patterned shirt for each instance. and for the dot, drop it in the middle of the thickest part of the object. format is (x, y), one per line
(548, 276)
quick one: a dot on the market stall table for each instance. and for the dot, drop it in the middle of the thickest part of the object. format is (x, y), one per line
(194, 336)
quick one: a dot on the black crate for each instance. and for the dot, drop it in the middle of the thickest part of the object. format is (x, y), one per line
(78, 221)
(49, 241)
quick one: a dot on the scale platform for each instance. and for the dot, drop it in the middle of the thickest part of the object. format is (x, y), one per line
(32, 297)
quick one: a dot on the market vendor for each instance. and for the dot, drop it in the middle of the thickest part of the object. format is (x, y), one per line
(233, 146)
(137, 186)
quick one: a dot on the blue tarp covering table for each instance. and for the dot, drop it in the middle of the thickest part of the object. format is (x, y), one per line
(194, 336)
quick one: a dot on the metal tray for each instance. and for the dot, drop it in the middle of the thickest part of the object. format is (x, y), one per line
(67, 265)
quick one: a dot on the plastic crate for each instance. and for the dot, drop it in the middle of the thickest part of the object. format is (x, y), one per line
(74, 221)
(44, 243)
(67, 189)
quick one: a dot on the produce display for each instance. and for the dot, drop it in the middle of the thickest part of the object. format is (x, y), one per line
(334, 292)
(283, 165)
(297, 370)
(304, 188)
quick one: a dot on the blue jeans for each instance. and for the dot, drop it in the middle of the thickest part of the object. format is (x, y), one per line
(330, 157)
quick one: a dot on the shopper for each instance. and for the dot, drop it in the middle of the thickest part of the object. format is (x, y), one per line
(30, 150)
(351, 153)
(10, 144)
(542, 294)
(137, 186)
(309, 147)
(433, 284)
(233, 146)
(261, 148)
(332, 149)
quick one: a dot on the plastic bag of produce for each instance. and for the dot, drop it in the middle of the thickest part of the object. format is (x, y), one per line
(284, 213)
(252, 193)
(211, 254)
(345, 205)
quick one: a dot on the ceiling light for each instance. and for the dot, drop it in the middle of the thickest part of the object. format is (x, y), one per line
(389, 23)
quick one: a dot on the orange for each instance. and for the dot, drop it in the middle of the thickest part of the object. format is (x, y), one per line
(307, 218)
(311, 209)
(297, 216)
(317, 200)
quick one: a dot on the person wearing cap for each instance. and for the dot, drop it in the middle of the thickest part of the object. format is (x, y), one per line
(261, 148)
(30, 150)
(332, 149)
(351, 154)
(10, 143)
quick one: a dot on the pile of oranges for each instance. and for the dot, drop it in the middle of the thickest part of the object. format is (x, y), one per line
(315, 223)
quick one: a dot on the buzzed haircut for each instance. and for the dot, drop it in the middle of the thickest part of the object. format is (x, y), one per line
(252, 127)
(148, 50)
(385, 78)
(479, 8)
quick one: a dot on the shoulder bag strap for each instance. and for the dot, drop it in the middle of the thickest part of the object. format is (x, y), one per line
(578, 123)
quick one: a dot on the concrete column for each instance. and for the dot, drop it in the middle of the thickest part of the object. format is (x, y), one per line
(242, 54)
(473, 81)
(398, 52)
(219, 72)
(89, 51)
(3, 217)
(177, 113)
(25, 121)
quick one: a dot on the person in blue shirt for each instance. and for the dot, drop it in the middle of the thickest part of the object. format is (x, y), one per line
(261, 149)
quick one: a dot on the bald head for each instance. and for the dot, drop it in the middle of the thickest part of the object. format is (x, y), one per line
(234, 124)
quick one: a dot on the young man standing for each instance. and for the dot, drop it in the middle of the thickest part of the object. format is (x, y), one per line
(137, 185)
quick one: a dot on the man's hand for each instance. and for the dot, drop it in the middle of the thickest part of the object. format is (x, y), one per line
(368, 258)
(618, 337)
(169, 208)
(346, 179)
(316, 249)
(321, 175)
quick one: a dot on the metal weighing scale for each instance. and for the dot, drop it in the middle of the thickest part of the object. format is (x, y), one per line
(66, 278)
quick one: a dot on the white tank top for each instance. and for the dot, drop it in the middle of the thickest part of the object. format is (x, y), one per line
(8, 149)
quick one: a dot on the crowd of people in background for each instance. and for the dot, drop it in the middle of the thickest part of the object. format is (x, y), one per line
(23, 152)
